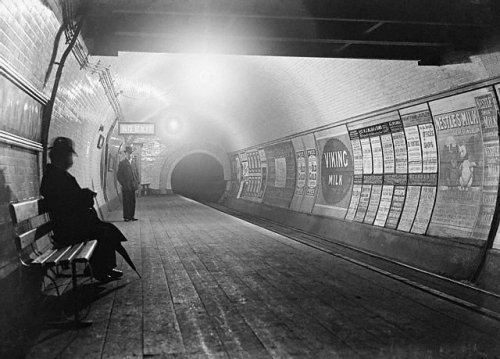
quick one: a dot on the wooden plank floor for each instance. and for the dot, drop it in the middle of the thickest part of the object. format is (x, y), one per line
(214, 286)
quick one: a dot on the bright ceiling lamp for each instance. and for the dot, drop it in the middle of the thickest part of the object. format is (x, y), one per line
(174, 126)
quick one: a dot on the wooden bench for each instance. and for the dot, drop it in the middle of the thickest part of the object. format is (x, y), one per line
(33, 229)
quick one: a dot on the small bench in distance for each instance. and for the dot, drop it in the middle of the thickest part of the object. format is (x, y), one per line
(33, 229)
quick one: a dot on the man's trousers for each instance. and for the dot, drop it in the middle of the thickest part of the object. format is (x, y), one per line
(128, 204)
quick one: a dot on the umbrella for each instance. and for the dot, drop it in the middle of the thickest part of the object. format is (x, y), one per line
(120, 249)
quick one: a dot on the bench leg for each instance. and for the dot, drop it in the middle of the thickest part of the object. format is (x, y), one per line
(77, 322)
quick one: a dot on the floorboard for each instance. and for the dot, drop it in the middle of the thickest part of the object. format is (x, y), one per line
(214, 286)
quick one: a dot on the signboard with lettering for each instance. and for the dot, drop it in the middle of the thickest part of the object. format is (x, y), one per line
(136, 128)
(422, 168)
(336, 170)
(307, 173)
(467, 138)
(254, 186)
(281, 172)
(376, 157)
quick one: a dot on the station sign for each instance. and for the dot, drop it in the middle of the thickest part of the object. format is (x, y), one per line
(136, 128)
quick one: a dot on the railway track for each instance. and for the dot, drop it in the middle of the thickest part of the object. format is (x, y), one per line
(460, 293)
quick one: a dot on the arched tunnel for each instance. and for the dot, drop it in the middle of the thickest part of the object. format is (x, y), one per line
(292, 179)
(200, 177)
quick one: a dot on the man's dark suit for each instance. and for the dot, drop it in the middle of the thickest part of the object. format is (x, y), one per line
(75, 220)
(129, 182)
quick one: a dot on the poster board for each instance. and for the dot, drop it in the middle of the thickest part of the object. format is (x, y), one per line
(376, 157)
(467, 138)
(422, 168)
(281, 172)
(336, 172)
(255, 181)
(307, 173)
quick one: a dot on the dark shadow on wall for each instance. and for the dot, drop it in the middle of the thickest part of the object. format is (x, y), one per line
(200, 177)
(19, 289)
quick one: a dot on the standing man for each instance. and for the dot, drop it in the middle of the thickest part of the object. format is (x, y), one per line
(129, 182)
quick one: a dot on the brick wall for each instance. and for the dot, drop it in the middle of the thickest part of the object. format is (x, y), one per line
(28, 30)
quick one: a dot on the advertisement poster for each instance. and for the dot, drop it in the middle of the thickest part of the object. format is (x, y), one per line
(280, 173)
(312, 178)
(235, 175)
(385, 205)
(301, 173)
(280, 168)
(373, 205)
(388, 150)
(253, 189)
(410, 208)
(429, 148)
(414, 149)
(364, 200)
(366, 149)
(422, 168)
(400, 148)
(425, 207)
(489, 115)
(463, 125)
(398, 200)
(243, 165)
(353, 205)
(357, 154)
(378, 160)
(336, 172)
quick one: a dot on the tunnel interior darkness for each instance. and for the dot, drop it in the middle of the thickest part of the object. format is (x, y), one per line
(199, 176)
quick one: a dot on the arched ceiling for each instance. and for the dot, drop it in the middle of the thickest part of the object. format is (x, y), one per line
(289, 65)
(241, 101)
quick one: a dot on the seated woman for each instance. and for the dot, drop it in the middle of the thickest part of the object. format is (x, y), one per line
(75, 219)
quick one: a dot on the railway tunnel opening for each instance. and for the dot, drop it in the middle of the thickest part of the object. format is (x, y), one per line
(199, 176)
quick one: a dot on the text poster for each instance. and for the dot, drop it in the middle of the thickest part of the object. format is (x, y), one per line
(425, 207)
(336, 172)
(462, 123)
(414, 149)
(388, 150)
(378, 160)
(422, 167)
(244, 173)
(385, 205)
(364, 200)
(235, 175)
(353, 205)
(357, 154)
(253, 188)
(396, 208)
(280, 173)
(312, 177)
(373, 204)
(410, 208)
(429, 148)
(301, 173)
(400, 148)
(366, 149)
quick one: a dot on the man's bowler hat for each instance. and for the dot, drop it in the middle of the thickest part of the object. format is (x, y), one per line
(63, 144)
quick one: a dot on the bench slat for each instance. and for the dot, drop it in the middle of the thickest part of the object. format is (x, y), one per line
(73, 251)
(28, 238)
(43, 258)
(27, 209)
(86, 251)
